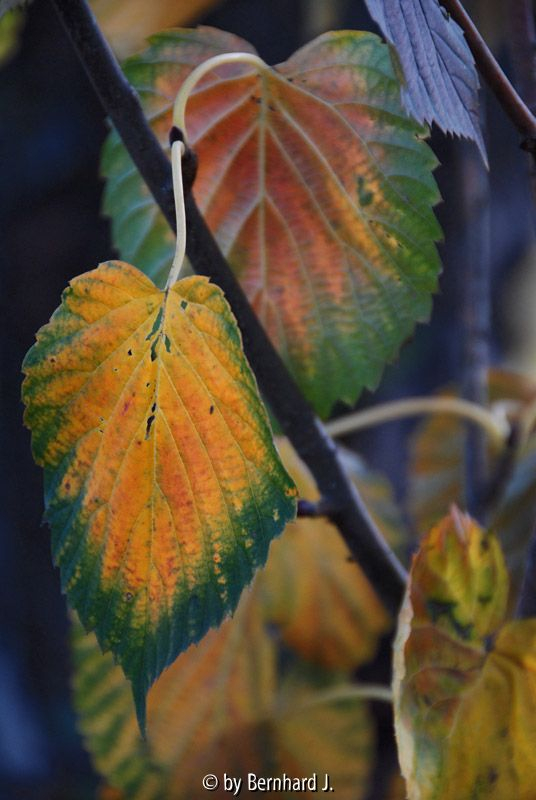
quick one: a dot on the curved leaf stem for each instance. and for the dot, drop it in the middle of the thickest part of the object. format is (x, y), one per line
(496, 426)
(341, 694)
(179, 108)
(519, 113)
(177, 152)
(304, 430)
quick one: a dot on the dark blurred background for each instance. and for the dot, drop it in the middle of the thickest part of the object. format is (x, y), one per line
(51, 132)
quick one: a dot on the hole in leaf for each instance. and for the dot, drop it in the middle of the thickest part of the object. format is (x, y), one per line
(150, 421)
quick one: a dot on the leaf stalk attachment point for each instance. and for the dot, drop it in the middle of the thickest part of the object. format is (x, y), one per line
(177, 152)
(179, 109)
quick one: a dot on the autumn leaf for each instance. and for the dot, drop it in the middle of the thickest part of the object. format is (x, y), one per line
(324, 607)
(230, 705)
(436, 471)
(317, 187)
(464, 679)
(109, 793)
(12, 20)
(127, 23)
(163, 488)
(259, 694)
(441, 81)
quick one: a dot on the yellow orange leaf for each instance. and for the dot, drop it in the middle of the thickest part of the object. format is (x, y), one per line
(230, 705)
(464, 681)
(128, 23)
(163, 488)
(323, 605)
(317, 186)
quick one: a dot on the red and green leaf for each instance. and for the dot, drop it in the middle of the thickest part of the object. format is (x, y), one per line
(464, 679)
(163, 488)
(317, 187)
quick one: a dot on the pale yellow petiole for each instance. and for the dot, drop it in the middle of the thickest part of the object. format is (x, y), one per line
(348, 692)
(496, 425)
(177, 151)
(179, 109)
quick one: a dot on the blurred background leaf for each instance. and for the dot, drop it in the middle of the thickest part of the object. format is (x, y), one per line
(436, 471)
(322, 604)
(464, 683)
(128, 23)
(226, 705)
(11, 24)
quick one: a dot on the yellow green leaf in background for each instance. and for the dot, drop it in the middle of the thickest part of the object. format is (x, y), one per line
(464, 679)
(436, 471)
(317, 187)
(163, 488)
(11, 24)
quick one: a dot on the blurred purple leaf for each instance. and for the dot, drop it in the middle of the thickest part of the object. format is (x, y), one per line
(439, 69)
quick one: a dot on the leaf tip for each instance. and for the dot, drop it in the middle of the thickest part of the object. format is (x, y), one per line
(139, 693)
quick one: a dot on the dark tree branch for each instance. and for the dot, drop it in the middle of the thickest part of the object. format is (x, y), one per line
(306, 508)
(296, 418)
(519, 113)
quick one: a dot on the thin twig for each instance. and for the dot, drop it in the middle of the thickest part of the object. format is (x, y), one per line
(296, 418)
(313, 510)
(519, 113)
